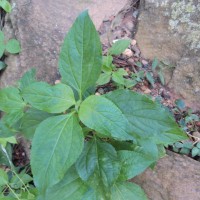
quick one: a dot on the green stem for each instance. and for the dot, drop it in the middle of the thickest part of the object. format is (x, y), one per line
(12, 191)
(21, 182)
(80, 96)
(13, 168)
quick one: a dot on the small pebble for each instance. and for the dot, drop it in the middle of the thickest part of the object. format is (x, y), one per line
(97, 93)
(133, 42)
(101, 90)
(128, 53)
(57, 81)
(131, 60)
(135, 13)
(147, 91)
(144, 62)
(198, 124)
(196, 134)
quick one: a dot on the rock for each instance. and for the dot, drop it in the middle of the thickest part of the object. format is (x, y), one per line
(127, 53)
(133, 42)
(175, 177)
(170, 31)
(40, 26)
(144, 62)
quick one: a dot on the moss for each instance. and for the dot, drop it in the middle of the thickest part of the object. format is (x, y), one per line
(183, 13)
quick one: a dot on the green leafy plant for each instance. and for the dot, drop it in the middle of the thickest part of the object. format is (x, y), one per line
(157, 68)
(187, 148)
(5, 5)
(86, 146)
(16, 185)
(186, 115)
(12, 46)
(110, 72)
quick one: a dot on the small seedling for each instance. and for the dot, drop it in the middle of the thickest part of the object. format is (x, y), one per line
(187, 116)
(12, 46)
(158, 68)
(111, 72)
(187, 148)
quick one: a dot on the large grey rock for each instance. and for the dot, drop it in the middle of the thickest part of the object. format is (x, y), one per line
(175, 177)
(170, 30)
(40, 26)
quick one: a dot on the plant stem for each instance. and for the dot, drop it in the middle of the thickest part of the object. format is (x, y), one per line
(21, 182)
(13, 192)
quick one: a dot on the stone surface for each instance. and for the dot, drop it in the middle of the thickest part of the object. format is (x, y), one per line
(170, 30)
(175, 177)
(40, 26)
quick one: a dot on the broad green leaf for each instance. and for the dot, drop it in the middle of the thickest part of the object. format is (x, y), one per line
(80, 59)
(101, 115)
(108, 166)
(178, 145)
(128, 83)
(133, 163)
(27, 79)
(52, 99)
(2, 49)
(195, 151)
(2, 65)
(146, 118)
(88, 92)
(191, 117)
(30, 121)
(149, 148)
(188, 145)
(150, 78)
(6, 197)
(5, 130)
(70, 188)
(107, 61)
(104, 78)
(57, 144)
(99, 161)
(180, 104)
(4, 141)
(154, 64)
(12, 117)
(122, 72)
(27, 195)
(5, 155)
(3, 177)
(127, 191)
(5, 5)
(13, 46)
(123, 145)
(87, 162)
(119, 47)
(10, 100)
(19, 180)
(118, 76)
(92, 194)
